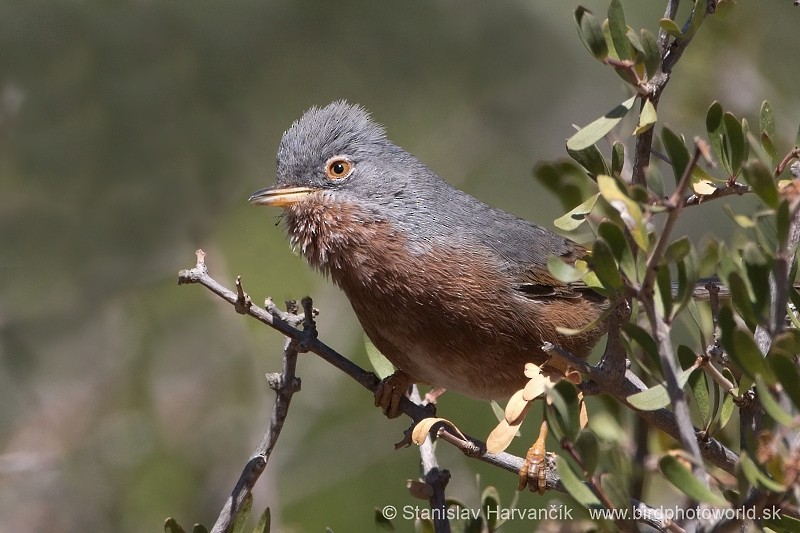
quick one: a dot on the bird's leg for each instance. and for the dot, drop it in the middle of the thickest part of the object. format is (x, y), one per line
(389, 392)
(534, 470)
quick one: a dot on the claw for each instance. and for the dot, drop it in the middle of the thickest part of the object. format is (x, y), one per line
(533, 473)
(389, 392)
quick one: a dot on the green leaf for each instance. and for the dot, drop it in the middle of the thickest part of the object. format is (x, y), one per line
(734, 143)
(677, 250)
(381, 522)
(785, 370)
(490, 502)
(563, 409)
(629, 210)
(264, 523)
(199, 528)
(172, 526)
(797, 138)
(590, 159)
(676, 150)
(770, 405)
(657, 397)
(244, 513)
(655, 181)
(727, 403)
(568, 182)
(577, 215)
(740, 345)
(591, 33)
(669, 26)
(663, 291)
(766, 120)
(652, 57)
(563, 271)
(616, 490)
(575, 487)
(742, 221)
(383, 367)
(598, 129)
(618, 29)
(756, 477)
(698, 384)
(683, 480)
(760, 179)
(647, 117)
(617, 158)
(716, 130)
(645, 341)
(589, 449)
(604, 265)
(696, 18)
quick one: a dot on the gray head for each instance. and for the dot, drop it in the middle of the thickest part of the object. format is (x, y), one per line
(340, 150)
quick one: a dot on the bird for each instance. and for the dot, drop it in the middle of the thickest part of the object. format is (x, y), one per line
(455, 293)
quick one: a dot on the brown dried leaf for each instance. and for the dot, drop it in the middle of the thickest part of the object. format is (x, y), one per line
(419, 489)
(583, 416)
(516, 408)
(421, 430)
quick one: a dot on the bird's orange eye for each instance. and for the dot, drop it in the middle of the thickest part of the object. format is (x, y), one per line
(338, 168)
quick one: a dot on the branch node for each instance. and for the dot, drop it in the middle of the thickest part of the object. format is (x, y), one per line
(243, 301)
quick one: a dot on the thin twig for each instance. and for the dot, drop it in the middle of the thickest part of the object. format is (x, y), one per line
(285, 385)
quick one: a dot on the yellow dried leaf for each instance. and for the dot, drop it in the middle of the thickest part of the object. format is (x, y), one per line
(421, 430)
(516, 408)
(419, 489)
(534, 388)
(703, 187)
(501, 436)
(531, 370)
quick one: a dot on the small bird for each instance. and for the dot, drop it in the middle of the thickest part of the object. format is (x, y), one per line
(455, 293)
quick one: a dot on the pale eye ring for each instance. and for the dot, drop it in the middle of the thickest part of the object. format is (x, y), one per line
(338, 168)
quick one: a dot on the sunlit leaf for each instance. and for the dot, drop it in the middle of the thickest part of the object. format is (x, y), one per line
(423, 428)
(669, 26)
(685, 481)
(598, 129)
(657, 397)
(647, 117)
(383, 367)
(629, 211)
(577, 216)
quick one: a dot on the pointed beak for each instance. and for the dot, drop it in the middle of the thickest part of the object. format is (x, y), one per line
(279, 197)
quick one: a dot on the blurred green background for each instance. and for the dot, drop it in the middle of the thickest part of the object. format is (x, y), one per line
(132, 132)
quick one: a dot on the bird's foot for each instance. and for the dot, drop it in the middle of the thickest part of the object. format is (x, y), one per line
(389, 392)
(533, 473)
